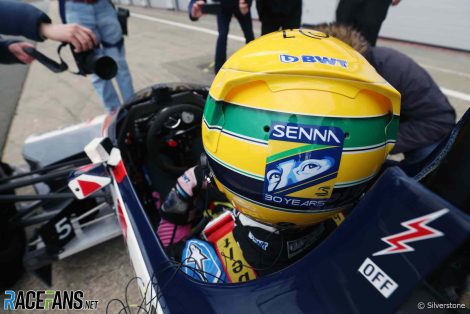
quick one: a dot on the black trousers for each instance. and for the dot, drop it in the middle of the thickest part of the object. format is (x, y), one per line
(223, 26)
(366, 16)
(271, 24)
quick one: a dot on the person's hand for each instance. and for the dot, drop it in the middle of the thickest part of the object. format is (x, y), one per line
(80, 37)
(244, 7)
(196, 9)
(17, 50)
(395, 2)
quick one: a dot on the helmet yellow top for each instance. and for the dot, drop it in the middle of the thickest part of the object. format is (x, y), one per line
(295, 126)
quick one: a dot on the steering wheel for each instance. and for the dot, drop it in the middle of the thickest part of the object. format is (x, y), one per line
(174, 138)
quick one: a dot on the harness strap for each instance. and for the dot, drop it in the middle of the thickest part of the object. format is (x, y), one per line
(220, 233)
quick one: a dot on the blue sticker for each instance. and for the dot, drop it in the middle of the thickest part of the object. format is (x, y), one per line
(201, 262)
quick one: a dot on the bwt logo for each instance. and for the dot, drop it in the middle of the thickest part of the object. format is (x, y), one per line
(47, 300)
(313, 59)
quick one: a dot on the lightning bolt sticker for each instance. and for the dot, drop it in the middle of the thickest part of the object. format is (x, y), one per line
(418, 230)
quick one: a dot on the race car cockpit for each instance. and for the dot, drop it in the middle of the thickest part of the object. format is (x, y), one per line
(296, 142)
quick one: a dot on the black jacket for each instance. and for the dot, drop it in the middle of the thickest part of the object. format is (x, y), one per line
(426, 114)
(19, 19)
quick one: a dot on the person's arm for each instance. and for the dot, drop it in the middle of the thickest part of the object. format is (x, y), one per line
(21, 19)
(6, 57)
(80, 37)
(17, 49)
(244, 6)
(395, 2)
(195, 9)
(11, 51)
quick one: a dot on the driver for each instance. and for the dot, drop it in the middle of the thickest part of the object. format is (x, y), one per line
(296, 126)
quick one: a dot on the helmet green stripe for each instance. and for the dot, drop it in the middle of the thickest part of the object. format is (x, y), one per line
(248, 122)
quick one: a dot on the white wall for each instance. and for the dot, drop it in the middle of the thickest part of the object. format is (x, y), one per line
(438, 22)
(183, 4)
(318, 11)
(163, 4)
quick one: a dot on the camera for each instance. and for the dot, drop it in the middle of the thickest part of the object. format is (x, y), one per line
(89, 62)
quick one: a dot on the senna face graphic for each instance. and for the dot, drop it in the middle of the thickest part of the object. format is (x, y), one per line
(312, 167)
(291, 172)
(302, 165)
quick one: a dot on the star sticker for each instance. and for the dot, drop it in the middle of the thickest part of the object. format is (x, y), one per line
(196, 256)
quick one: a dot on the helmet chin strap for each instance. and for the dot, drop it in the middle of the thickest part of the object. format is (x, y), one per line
(247, 221)
(268, 248)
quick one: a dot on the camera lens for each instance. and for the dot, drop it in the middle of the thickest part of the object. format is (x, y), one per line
(105, 67)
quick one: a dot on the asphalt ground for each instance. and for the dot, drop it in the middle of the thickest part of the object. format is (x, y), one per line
(163, 46)
(12, 78)
(10, 91)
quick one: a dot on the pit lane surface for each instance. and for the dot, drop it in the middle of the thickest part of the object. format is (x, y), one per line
(12, 78)
(163, 46)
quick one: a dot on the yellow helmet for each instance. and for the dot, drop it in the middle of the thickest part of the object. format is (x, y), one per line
(295, 125)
